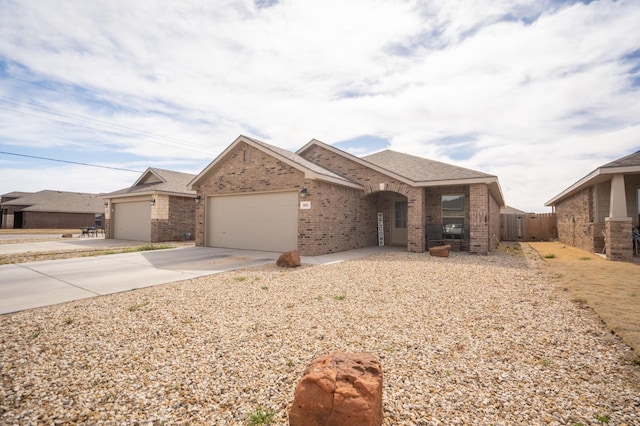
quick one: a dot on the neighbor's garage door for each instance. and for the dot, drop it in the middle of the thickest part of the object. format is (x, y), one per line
(132, 221)
(267, 222)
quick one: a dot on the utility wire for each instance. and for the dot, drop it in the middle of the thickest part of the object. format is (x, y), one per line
(70, 162)
(114, 131)
(56, 111)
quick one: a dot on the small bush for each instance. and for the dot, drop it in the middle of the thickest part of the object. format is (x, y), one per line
(550, 256)
(260, 417)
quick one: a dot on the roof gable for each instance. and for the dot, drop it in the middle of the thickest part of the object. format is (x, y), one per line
(154, 180)
(310, 170)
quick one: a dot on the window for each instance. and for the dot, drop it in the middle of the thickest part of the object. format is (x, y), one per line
(400, 214)
(453, 215)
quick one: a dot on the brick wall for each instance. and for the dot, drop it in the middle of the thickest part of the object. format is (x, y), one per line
(619, 243)
(172, 217)
(52, 220)
(339, 218)
(575, 221)
(372, 180)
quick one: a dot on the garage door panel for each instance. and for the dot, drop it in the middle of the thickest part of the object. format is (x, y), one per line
(266, 222)
(132, 221)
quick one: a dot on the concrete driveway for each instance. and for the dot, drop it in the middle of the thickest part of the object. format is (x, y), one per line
(35, 284)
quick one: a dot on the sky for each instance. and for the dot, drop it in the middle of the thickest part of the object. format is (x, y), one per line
(537, 92)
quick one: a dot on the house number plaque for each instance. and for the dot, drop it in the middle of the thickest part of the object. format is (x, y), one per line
(380, 229)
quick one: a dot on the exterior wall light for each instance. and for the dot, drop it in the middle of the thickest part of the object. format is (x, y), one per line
(106, 204)
(152, 202)
(303, 192)
(198, 198)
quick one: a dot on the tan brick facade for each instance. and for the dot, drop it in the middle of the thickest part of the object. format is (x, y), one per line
(619, 243)
(177, 218)
(576, 225)
(479, 219)
(340, 217)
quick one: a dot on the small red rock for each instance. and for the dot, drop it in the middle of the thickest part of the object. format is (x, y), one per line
(289, 259)
(440, 251)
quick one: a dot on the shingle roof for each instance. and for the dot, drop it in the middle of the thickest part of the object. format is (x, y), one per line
(59, 201)
(627, 164)
(418, 169)
(157, 180)
(628, 161)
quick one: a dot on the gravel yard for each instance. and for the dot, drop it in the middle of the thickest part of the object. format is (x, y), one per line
(462, 340)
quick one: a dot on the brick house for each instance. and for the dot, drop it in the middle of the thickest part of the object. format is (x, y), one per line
(50, 209)
(157, 207)
(322, 200)
(598, 212)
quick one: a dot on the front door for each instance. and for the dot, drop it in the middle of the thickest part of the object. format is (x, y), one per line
(399, 221)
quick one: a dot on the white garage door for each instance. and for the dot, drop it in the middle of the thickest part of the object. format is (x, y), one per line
(267, 222)
(132, 221)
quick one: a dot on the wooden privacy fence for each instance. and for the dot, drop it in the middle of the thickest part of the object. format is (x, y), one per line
(528, 227)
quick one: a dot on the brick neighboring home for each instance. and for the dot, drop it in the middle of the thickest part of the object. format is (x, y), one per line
(157, 207)
(49, 209)
(322, 200)
(597, 212)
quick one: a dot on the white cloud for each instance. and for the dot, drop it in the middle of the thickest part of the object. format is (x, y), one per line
(535, 92)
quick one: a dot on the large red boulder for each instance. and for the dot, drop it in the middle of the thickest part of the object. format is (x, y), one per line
(339, 389)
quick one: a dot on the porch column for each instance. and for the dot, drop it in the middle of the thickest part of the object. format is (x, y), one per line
(479, 219)
(618, 226)
(415, 220)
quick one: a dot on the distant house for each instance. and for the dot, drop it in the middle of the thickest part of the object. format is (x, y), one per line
(597, 212)
(323, 200)
(50, 210)
(157, 207)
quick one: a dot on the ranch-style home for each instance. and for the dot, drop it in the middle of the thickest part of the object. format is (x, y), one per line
(157, 207)
(50, 209)
(598, 212)
(322, 200)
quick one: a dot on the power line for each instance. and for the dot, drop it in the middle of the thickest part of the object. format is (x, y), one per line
(70, 162)
(56, 111)
(112, 128)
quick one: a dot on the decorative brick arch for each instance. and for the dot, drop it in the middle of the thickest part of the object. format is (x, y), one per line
(392, 187)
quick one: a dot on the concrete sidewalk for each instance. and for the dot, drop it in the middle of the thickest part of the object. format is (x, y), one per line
(35, 284)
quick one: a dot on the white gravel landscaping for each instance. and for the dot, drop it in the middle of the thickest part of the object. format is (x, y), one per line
(462, 340)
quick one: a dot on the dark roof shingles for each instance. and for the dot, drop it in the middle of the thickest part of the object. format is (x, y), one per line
(418, 169)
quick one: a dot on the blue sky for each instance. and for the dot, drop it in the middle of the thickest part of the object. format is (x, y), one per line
(539, 93)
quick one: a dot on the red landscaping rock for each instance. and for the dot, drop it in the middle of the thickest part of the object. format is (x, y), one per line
(339, 389)
(440, 251)
(289, 259)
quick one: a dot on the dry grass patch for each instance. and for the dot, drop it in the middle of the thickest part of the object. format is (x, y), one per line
(612, 289)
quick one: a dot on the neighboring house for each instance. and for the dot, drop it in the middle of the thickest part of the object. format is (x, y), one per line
(511, 210)
(50, 210)
(157, 207)
(598, 212)
(323, 200)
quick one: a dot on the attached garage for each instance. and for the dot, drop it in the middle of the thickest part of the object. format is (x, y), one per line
(132, 221)
(264, 221)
